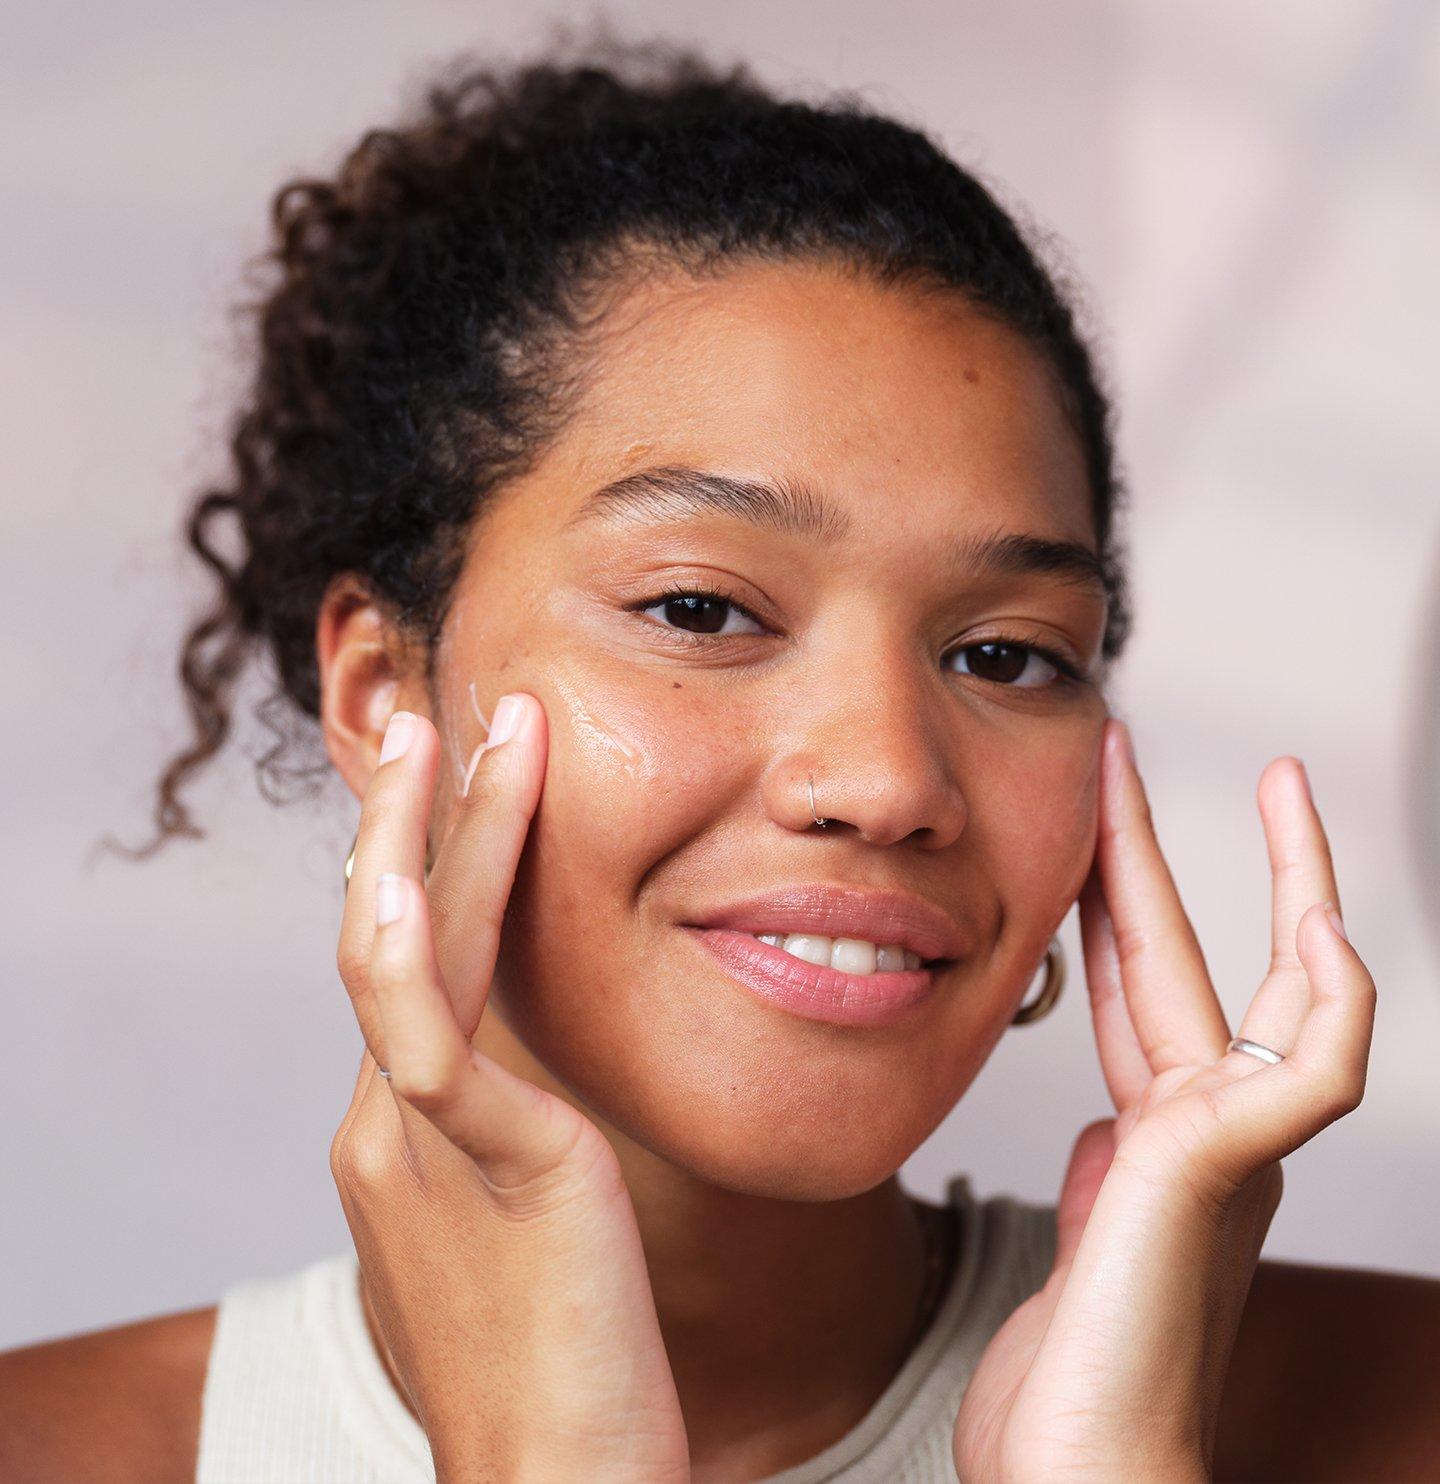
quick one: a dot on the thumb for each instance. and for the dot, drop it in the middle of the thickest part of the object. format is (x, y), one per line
(1089, 1161)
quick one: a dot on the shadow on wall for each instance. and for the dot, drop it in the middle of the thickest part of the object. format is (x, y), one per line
(1422, 767)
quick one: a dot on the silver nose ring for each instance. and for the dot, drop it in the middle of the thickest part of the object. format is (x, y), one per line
(813, 815)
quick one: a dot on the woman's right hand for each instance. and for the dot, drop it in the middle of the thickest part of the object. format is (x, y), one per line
(497, 1241)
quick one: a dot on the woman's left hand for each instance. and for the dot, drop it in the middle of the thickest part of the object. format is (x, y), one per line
(1116, 1367)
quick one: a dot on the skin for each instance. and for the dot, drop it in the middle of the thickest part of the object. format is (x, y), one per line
(784, 1258)
(676, 771)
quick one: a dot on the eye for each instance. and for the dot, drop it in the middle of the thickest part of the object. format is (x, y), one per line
(1009, 661)
(701, 612)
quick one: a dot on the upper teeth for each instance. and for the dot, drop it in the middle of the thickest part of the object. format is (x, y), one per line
(849, 955)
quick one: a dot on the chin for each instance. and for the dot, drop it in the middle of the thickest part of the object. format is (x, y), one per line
(744, 1097)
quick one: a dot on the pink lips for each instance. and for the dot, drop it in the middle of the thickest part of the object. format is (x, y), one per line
(812, 991)
(835, 910)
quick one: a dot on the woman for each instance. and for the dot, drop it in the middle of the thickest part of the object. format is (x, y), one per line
(690, 518)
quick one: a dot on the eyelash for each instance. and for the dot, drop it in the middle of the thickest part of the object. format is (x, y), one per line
(1067, 672)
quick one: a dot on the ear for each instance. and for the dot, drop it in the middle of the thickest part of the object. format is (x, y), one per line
(367, 672)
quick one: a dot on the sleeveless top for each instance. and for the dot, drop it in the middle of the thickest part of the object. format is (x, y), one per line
(296, 1391)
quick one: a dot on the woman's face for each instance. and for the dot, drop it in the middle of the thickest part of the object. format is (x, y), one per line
(897, 430)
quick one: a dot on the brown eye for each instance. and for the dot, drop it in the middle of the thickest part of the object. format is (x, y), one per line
(1006, 664)
(701, 613)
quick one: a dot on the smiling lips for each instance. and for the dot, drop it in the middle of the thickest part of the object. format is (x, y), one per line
(855, 956)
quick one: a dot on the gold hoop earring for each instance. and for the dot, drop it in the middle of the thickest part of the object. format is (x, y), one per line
(1050, 990)
(350, 860)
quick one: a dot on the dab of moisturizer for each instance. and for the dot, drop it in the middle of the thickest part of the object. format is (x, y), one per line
(480, 746)
(463, 771)
(601, 740)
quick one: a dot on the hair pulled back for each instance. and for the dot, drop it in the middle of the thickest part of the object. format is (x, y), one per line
(410, 342)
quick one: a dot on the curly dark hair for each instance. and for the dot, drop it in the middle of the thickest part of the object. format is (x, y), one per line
(411, 338)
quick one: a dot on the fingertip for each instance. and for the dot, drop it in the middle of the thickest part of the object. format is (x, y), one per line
(533, 721)
(1321, 925)
(1276, 769)
(411, 739)
(426, 728)
(1120, 742)
(518, 735)
(1337, 925)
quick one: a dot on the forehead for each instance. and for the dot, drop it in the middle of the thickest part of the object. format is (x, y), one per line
(902, 405)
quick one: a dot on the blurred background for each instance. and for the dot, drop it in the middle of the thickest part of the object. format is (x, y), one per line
(1247, 194)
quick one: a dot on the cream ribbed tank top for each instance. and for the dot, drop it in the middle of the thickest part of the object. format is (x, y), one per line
(296, 1392)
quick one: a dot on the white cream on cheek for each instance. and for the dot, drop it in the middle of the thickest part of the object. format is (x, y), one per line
(607, 743)
(605, 738)
(462, 759)
(479, 746)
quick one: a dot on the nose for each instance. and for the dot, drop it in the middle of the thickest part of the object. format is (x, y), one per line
(881, 764)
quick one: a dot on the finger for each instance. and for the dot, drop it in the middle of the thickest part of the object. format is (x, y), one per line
(1122, 1059)
(1273, 1109)
(365, 1077)
(384, 1126)
(1336, 1035)
(1177, 1017)
(1090, 1160)
(1300, 862)
(394, 817)
(471, 881)
(1301, 870)
(510, 1128)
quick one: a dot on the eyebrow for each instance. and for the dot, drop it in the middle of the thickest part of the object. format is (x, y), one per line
(673, 492)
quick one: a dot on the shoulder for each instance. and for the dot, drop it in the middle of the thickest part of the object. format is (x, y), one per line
(1335, 1375)
(113, 1404)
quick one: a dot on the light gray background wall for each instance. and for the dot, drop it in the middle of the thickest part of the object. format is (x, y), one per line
(1247, 190)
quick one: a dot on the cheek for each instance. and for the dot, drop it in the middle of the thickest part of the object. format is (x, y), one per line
(604, 740)
(1040, 825)
(638, 768)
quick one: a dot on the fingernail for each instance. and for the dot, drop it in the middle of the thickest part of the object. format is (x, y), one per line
(1305, 779)
(1333, 913)
(399, 734)
(1127, 743)
(505, 722)
(389, 899)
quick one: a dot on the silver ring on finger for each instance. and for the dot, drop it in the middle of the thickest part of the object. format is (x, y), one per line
(1254, 1048)
(382, 1071)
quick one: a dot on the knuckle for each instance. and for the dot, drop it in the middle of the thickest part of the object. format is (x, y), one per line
(353, 963)
(577, 1163)
(382, 809)
(365, 1156)
(1131, 940)
(447, 906)
(487, 787)
(1338, 1096)
(389, 965)
(432, 1085)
